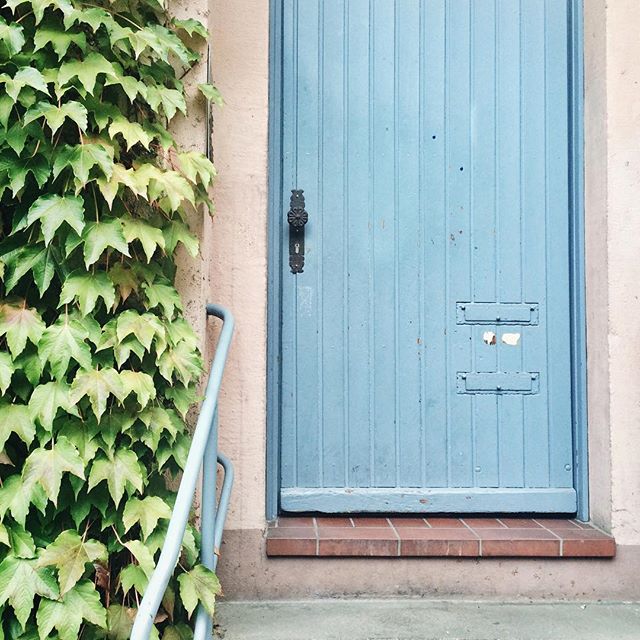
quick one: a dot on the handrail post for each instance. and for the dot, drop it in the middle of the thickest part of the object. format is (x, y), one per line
(203, 450)
(204, 625)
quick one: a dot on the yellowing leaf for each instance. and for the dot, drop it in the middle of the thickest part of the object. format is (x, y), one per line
(46, 466)
(70, 553)
(16, 418)
(19, 324)
(120, 470)
(97, 385)
(199, 585)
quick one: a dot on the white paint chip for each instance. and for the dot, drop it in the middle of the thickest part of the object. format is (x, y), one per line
(489, 337)
(511, 339)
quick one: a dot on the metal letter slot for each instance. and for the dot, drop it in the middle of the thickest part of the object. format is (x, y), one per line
(297, 219)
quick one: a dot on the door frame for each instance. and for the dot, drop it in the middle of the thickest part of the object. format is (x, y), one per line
(275, 218)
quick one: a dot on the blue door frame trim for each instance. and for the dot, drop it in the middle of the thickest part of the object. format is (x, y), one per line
(576, 208)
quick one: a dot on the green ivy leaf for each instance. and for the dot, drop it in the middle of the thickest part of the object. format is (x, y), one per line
(199, 585)
(211, 94)
(63, 341)
(197, 168)
(119, 470)
(21, 541)
(46, 466)
(81, 159)
(97, 385)
(7, 368)
(139, 383)
(47, 399)
(86, 71)
(119, 622)
(31, 258)
(146, 512)
(143, 556)
(98, 236)
(18, 324)
(132, 132)
(191, 26)
(86, 288)
(144, 327)
(162, 295)
(55, 116)
(39, 6)
(25, 77)
(13, 37)
(70, 553)
(16, 418)
(52, 211)
(60, 40)
(16, 497)
(177, 232)
(133, 576)
(181, 361)
(20, 581)
(82, 603)
(150, 237)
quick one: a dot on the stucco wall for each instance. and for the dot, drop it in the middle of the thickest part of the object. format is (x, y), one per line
(234, 272)
(623, 229)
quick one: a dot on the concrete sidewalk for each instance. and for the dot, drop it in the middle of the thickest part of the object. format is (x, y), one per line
(427, 620)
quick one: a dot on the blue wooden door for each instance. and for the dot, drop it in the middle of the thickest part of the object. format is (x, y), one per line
(425, 348)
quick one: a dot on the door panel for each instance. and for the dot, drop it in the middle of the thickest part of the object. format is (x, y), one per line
(425, 348)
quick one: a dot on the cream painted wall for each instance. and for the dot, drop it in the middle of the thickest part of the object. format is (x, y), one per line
(240, 36)
(623, 230)
(234, 268)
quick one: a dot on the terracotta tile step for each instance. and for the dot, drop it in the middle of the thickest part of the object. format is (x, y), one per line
(436, 537)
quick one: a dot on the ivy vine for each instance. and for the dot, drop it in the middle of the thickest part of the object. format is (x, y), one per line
(97, 364)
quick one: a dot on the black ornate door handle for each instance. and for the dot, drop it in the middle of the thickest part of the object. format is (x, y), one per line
(297, 219)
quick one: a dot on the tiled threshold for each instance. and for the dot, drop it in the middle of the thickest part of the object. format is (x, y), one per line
(436, 537)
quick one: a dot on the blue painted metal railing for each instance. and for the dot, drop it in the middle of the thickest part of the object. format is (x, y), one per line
(204, 455)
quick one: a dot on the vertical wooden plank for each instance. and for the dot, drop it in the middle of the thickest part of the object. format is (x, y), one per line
(359, 246)
(560, 437)
(384, 294)
(509, 260)
(288, 430)
(483, 230)
(534, 339)
(457, 212)
(334, 251)
(433, 178)
(309, 153)
(409, 245)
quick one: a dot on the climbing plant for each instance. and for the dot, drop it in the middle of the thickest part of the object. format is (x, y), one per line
(97, 363)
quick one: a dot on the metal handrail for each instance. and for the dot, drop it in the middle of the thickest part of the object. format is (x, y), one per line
(204, 455)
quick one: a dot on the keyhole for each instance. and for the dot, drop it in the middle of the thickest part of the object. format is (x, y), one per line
(296, 247)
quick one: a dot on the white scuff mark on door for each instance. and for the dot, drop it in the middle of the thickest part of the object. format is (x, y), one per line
(511, 339)
(305, 301)
(489, 337)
